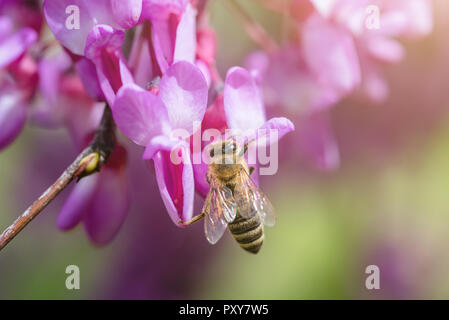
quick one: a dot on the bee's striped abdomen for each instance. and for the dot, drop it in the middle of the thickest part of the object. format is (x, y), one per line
(248, 232)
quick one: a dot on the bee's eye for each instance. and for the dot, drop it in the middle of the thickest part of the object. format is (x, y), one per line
(211, 153)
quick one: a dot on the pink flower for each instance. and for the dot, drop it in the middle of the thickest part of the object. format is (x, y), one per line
(289, 83)
(330, 53)
(13, 43)
(91, 14)
(126, 12)
(173, 25)
(333, 52)
(149, 120)
(320, 62)
(99, 201)
(64, 101)
(103, 48)
(13, 114)
(99, 37)
(17, 78)
(376, 40)
(23, 13)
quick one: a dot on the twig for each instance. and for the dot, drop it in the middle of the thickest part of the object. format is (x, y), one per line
(253, 28)
(88, 161)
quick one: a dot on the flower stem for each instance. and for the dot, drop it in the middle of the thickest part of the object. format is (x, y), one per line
(100, 148)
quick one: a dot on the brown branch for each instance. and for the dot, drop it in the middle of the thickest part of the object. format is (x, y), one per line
(88, 161)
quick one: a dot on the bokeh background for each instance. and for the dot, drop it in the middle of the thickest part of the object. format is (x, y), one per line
(387, 204)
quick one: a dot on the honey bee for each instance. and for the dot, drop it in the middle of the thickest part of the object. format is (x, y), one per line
(234, 200)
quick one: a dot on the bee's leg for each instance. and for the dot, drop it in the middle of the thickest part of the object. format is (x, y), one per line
(251, 170)
(194, 219)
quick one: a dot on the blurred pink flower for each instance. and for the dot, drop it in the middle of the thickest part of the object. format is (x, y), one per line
(64, 101)
(23, 13)
(206, 49)
(18, 78)
(13, 114)
(375, 27)
(334, 49)
(289, 84)
(100, 201)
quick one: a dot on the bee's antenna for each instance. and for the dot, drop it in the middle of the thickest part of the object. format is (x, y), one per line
(246, 146)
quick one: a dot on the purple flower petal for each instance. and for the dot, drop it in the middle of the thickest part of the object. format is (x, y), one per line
(12, 47)
(290, 84)
(88, 73)
(183, 90)
(242, 101)
(317, 141)
(127, 12)
(201, 184)
(161, 9)
(77, 203)
(163, 42)
(324, 7)
(258, 63)
(159, 143)
(374, 84)
(272, 131)
(13, 114)
(60, 14)
(140, 61)
(417, 16)
(103, 47)
(6, 26)
(331, 54)
(109, 207)
(139, 114)
(49, 111)
(50, 70)
(185, 44)
(385, 49)
(103, 37)
(176, 185)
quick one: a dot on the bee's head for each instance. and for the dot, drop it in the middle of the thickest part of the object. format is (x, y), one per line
(225, 152)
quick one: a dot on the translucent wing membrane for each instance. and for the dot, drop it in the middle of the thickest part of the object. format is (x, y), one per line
(266, 210)
(214, 227)
(226, 202)
(219, 209)
(251, 200)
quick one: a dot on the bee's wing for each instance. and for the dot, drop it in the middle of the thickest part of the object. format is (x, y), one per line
(251, 200)
(219, 209)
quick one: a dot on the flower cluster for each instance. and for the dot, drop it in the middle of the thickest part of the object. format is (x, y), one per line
(331, 49)
(153, 63)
